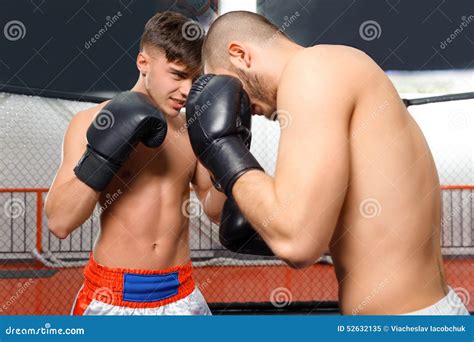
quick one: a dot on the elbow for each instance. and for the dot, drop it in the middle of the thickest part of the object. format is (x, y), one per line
(54, 225)
(58, 229)
(213, 213)
(58, 232)
(295, 254)
(216, 219)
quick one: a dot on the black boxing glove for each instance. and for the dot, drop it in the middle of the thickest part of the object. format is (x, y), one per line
(216, 132)
(236, 233)
(129, 118)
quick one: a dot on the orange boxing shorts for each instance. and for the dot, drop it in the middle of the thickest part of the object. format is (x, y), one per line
(118, 291)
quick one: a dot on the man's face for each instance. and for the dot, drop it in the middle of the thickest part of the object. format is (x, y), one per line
(260, 89)
(167, 83)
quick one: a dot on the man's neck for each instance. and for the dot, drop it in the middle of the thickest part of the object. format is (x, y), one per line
(285, 52)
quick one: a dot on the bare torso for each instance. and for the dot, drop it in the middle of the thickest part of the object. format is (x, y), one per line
(143, 225)
(386, 243)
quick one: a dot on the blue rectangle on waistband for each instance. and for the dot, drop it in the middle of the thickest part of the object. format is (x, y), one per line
(149, 287)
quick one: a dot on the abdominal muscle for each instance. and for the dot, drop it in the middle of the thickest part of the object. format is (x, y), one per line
(145, 228)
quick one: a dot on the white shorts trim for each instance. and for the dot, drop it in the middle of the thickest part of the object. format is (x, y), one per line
(450, 305)
(194, 304)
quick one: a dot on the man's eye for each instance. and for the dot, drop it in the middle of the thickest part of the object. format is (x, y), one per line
(178, 76)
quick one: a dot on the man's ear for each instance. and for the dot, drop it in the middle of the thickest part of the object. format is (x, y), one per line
(142, 62)
(239, 54)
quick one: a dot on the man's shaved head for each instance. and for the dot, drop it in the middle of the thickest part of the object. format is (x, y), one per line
(248, 46)
(240, 26)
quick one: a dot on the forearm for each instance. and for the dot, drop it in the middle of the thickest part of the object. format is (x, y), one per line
(257, 199)
(68, 206)
(273, 211)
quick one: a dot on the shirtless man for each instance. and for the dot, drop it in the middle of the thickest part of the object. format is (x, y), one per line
(353, 172)
(135, 150)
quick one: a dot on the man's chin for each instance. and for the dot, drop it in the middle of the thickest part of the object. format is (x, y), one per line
(171, 112)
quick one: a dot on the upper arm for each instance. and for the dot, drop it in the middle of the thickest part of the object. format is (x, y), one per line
(74, 145)
(211, 199)
(201, 181)
(313, 159)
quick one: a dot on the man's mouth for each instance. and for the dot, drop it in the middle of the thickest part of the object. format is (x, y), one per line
(177, 103)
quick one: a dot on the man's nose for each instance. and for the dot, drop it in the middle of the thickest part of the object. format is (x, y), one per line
(186, 87)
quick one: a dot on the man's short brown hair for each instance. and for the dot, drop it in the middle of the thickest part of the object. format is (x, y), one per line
(166, 31)
(237, 25)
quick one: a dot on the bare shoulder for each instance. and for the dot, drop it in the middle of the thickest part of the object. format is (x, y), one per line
(332, 71)
(80, 122)
(336, 62)
(83, 118)
(323, 79)
(339, 50)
